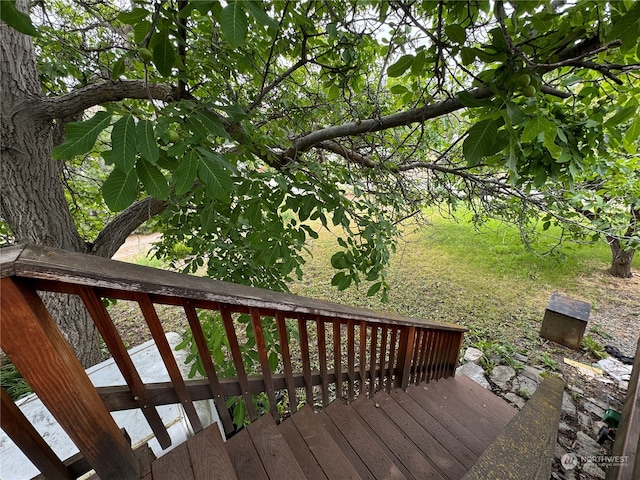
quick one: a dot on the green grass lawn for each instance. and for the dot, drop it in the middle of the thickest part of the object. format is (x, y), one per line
(486, 279)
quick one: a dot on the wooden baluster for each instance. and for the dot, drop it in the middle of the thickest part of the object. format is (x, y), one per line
(456, 353)
(405, 353)
(421, 358)
(322, 358)
(306, 361)
(286, 361)
(372, 359)
(258, 332)
(363, 355)
(383, 356)
(424, 355)
(392, 359)
(337, 357)
(446, 351)
(241, 373)
(416, 352)
(209, 368)
(351, 357)
(451, 355)
(438, 354)
(35, 345)
(166, 353)
(29, 441)
(433, 352)
(121, 357)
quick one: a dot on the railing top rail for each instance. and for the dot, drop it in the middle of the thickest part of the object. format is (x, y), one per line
(45, 263)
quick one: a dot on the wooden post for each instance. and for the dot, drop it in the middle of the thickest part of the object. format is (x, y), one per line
(405, 353)
(37, 348)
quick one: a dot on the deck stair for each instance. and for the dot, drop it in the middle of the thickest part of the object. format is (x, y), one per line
(432, 431)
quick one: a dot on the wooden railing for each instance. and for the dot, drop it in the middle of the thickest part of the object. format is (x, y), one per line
(341, 352)
(626, 448)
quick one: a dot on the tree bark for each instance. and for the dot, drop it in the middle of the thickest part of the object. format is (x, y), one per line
(620, 259)
(33, 202)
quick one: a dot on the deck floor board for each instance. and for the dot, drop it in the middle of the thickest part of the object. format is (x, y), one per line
(244, 457)
(378, 465)
(446, 463)
(389, 434)
(333, 462)
(432, 431)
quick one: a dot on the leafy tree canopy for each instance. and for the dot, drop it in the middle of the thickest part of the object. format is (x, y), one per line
(246, 119)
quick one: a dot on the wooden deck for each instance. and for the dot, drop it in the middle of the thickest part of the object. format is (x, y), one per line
(432, 431)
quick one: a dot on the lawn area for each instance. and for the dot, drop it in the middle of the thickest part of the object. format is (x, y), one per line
(483, 279)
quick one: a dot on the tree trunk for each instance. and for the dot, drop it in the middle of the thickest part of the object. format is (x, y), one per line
(33, 202)
(620, 259)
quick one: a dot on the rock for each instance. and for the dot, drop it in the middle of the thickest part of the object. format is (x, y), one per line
(524, 384)
(567, 404)
(587, 446)
(594, 470)
(584, 419)
(515, 399)
(502, 375)
(564, 427)
(575, 389)
(472, 355)
(532, 373)
(475, 373)
(520, 358)
(591, 407)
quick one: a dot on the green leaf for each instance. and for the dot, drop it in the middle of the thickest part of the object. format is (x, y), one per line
(233, 22)
(213, 124)
(627, 28)
(186, 172)
(456, 33)
(467, 55)
(218, 180)
(534, 126)
(16, 19)
(339, 261)
(118, 69)
(147, 144)
(622, 115)
(153, 180)
(479, 141)
(398, 90)
(341, 280)
(470, 101)
(134, 16)
(256, 9)
(401, 66)
(81, 136)
(140, 31)
(631, 136)
(164, 56)
(373, 289)
(123, 143)
(120, 189)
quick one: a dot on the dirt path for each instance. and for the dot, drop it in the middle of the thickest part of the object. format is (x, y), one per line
(136, 246)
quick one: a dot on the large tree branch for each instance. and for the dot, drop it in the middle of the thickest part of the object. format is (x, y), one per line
(408, 117)
(114, 234)
(96, 94)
